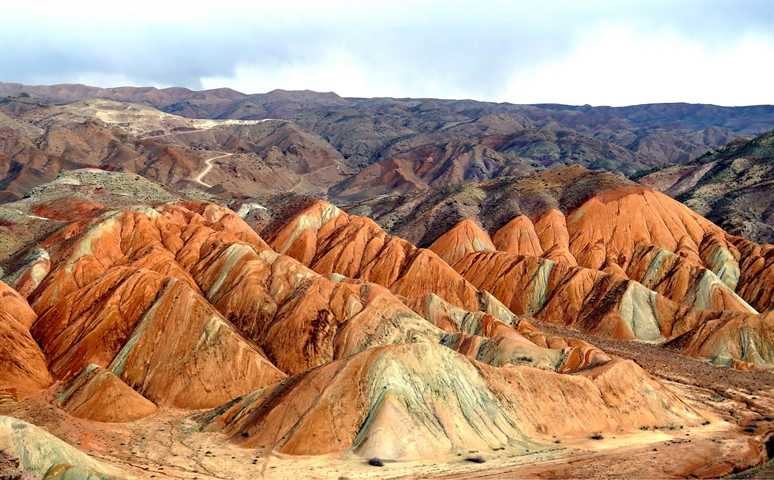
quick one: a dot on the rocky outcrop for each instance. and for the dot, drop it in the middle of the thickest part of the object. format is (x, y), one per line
(15, 306)
(518, 237)
(97, 394)
(336, 336)
(756, 277)
(131, 290)
(498, 337)
(300, 319)
(659, 243)
(23, 368)
(732, 340)
(551, 230)
(333, 242)
(156, 334)
(675, 276)
(119, 297)
(464, 238)
(407, 402)
(27, 276)
(46, 456)
(512, 348)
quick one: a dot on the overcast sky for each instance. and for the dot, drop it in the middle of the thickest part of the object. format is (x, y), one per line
(599, 53)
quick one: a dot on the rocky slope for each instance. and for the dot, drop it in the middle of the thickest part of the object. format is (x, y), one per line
(347, 149)
(333, 337)
(402, 410)
(39, 142)
(421, 217)
(628, 263)
(482, 298)
(23, 366)
(730, 185)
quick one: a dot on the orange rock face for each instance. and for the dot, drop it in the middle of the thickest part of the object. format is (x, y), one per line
(156, 334)
(96, 394)
(660, 243)
(119, 297)
(16, 307)
(464, 238)
(518, 237)
(654, 270)
(299, 318)
(551, 230)
(336, 337)
(189, 307)
(378, 403)
(499, 338)
(756, 282)
(614, 306)
(23, 369)
(330, 336)
(330, 241)
(618, 220)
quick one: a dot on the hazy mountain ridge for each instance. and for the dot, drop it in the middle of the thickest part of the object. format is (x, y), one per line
(731, 185)
(366, 131)
(350, 149)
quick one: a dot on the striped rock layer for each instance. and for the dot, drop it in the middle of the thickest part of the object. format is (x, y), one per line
(332, 336)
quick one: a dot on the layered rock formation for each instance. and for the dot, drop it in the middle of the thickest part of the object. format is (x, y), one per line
(628, 263)
(23, 366)
(46, 456)
(97, 394)
(185, 306)
(401, 409)
(139, 325)
(333, 337)
(330, 241)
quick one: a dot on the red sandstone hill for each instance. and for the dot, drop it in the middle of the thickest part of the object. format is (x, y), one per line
(628, 263)
(139, 310)
(23, 369)
(502, 321)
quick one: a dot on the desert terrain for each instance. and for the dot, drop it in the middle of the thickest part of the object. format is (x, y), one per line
(300, 285)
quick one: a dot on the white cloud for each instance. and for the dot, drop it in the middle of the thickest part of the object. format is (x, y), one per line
(519, 51)
(92, 79)
(620, 67)
(336, 70)
(609, 66)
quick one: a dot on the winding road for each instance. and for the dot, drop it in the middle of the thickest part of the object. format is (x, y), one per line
(200, 130)
(172, 134)
(208, 167)
(208, 163)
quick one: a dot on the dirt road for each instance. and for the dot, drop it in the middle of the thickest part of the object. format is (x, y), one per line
(208, 166)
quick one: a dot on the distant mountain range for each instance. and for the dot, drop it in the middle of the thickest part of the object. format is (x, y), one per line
(367, 131)
(732, 185)
(500, 284)
(347, 149)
